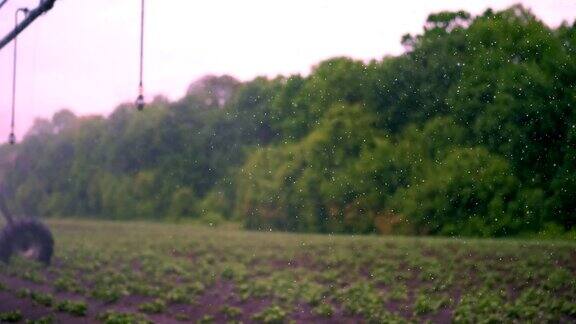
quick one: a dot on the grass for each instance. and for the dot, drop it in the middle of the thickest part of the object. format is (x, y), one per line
(130, 272)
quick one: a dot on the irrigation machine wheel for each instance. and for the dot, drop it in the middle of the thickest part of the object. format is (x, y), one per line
(27, 238)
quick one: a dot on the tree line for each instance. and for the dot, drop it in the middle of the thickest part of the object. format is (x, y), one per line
(472, 131)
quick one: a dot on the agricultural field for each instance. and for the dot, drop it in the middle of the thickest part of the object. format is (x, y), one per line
(121, 272)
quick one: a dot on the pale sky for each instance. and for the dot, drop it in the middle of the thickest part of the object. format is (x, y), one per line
(83, 55)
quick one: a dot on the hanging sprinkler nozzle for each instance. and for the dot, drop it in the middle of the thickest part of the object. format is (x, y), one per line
(140, 99)
(12, 139)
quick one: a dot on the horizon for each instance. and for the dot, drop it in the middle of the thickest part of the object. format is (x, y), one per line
(49, 80)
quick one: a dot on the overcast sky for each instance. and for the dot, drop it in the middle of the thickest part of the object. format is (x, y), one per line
(82, 55)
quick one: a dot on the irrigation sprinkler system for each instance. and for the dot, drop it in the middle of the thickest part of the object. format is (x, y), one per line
(27, 236)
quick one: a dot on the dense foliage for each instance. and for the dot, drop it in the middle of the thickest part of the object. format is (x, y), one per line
(472, 131)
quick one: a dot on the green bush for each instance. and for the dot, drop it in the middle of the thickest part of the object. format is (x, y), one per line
(11, 317)
(153, 307)
(113, 317)
(271, 315)
(76, 308)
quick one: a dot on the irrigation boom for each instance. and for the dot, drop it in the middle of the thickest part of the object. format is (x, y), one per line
(43, 7)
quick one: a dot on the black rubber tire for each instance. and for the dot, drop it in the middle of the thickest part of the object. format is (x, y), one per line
(27, 234)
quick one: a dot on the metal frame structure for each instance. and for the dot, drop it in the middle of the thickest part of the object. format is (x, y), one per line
(27, 233)
(29, 17)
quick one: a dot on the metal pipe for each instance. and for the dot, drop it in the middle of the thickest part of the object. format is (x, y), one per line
(44, 6)
(140, 99)
(4, 209)
(2, 3)
(141, 44)
(12, 137)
